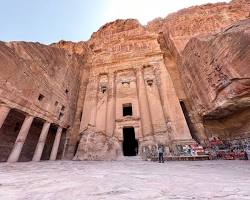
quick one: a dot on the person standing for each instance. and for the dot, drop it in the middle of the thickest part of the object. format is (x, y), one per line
(161, 152)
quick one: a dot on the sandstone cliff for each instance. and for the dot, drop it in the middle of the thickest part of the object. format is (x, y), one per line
(28, 70)
(216, 75)
(199, 20)
(79, 48)
(120, 40)
(177, 29)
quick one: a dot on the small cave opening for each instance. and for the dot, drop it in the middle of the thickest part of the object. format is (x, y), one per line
(130, 144)
(40, 97)
(103, 89)
(150, 83)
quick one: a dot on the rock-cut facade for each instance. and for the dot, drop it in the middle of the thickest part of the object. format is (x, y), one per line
(130, 88)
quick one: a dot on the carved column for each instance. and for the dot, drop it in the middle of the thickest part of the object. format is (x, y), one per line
(101, 104)
(41, 142)
(4, 111)
(22, 135)
(110, 118)
(90, 103)
(147, 129)
(138, 130)
(56, 143)
(95, 98)
(171, 106)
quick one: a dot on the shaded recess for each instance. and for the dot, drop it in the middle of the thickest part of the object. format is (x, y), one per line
(49, 142)
(188, 120)
(61, 145)
(9, 132)
(130, 144)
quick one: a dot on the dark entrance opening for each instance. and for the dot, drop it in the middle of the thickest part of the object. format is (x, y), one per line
(130, 144)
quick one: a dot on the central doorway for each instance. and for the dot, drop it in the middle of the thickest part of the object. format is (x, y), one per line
(130, 144)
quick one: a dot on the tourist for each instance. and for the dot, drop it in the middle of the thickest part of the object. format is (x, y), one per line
(161, 152)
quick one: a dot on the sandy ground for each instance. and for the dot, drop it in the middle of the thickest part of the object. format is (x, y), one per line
(127, 179)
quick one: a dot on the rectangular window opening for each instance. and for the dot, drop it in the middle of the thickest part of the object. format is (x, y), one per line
(127, 109)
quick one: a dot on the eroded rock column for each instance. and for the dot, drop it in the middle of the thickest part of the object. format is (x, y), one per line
(41, 142)
(147, 129)
(22, 135)
(4, 111)
(56, 144)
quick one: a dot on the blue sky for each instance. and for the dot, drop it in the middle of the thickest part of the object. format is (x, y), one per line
(49, 21)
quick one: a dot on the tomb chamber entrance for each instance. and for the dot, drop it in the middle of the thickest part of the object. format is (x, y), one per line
(130, 144)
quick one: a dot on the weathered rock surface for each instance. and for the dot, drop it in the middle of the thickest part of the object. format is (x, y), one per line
(181, 26)
(177, 29)
(30, 69)
(216, 72)
(221, 64)
(79, 48)
(122, 40)
(96, 145)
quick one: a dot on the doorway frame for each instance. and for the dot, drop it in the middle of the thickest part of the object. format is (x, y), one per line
(135, 138)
